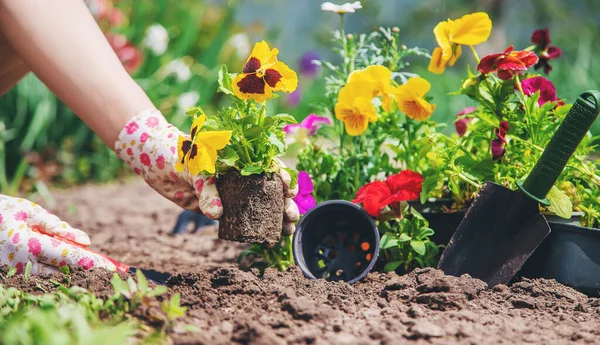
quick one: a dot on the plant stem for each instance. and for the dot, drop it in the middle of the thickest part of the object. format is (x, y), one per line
(475, 54)
(344, 42)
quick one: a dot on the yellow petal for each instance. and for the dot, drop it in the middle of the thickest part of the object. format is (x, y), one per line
(11, 256)
(416, 108)
(353, 90)
(356, 115)
(213, 139)
(471, 29)
(181, 157)
(414, 86)
(64, 252)
(442, 36)
(365, 107)
(437, 65)
(455, 54)
(202, 161)
(289, 79)
(196, 125)
(263, 53)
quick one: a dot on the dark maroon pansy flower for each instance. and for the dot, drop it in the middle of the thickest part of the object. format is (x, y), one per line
(498, 144)
(461, 121)
(544, 86)
(546, 52)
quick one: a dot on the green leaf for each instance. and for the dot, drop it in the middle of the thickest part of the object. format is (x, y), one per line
(11, 272)
(120, 286)
(418, 246)
(284, 118)
(248, 120)
(159, 290)
(65, 270)
(392, 266)
(141, 281)
(28, 270)
(225, 81)
(388, 240)
(228, 156)
(253, 132)
(251, 170)
(561, 204)
(276, 142)
(404, 238)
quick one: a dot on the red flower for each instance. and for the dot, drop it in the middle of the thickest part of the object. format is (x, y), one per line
(128, 54)
(507, 63)
(160, 162)
(541, 39)
(35, 247)
(19, 267)
(499, 143)
(544, 86)
(145, 159)
(375, 196)
(86, 263)
(461, 123)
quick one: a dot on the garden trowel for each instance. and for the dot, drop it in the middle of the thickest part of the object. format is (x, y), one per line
(502, 228)
(155, 276)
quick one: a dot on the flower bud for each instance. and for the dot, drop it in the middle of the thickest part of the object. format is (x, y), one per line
(395, 29)
(349, 36)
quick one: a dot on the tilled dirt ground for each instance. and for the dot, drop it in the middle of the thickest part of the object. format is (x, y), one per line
(131, 223)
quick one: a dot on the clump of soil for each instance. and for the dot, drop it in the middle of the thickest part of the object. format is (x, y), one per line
(252, 207)
(231, 306)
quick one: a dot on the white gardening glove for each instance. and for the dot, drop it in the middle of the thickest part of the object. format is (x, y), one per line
(29, 233)
(148, 144)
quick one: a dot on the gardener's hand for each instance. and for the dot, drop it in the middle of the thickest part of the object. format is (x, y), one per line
(28, 233)
(148, 144)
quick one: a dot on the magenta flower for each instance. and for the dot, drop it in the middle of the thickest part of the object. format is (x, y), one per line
(307, 128)
(541, 39)
(461, 123)
(306, 66)
(544, 86)
(304, 199)
(498, 144)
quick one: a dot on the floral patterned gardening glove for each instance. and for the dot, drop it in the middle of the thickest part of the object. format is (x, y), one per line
(29, 233)
(148, 144)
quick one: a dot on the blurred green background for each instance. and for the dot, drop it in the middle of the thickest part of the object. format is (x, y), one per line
(43, 142)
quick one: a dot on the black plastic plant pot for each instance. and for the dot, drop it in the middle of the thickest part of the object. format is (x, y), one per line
(570, 255)
(336, 240)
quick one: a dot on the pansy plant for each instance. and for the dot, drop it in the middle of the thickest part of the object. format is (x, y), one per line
(502, 136)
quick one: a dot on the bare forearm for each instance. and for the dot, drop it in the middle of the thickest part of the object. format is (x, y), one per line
(61, 43)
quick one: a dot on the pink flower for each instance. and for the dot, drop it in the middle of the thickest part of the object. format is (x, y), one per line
(129, 151)
(1, 219)
(144, 137)
(152, 122)
(86, 263)
(179, 195)
(304, 199)
(216, 202)
(462, 121)
(160, 162)
(70, 236)
(173, 149)
(35, 247)
(19, 267)
(145, 159)
(307, 128)
(132, 127)
(544, 86)
(16, 238)
(20, 216)
(55, 243)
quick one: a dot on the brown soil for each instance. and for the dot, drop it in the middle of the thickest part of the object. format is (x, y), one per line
(230, 306)
(252, 208)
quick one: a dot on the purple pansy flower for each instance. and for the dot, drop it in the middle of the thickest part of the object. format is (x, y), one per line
(293, 99)
(462, 121)
(306, 65)
(304, 199)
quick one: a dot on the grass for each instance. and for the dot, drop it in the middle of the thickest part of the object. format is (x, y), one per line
(73, 315)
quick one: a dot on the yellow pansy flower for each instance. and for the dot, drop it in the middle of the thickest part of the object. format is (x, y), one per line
(263, 75)
(355, 109)
(199, 152)
(409, 97)
(470, 29)
(377, 78)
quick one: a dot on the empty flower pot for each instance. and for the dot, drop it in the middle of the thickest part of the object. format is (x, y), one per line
(336, 240)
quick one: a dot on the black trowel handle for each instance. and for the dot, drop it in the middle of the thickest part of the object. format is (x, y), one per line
(562, 146)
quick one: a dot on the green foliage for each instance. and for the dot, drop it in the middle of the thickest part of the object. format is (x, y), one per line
(341, 164)
(257, 138)
(405, 243)
(76, 316)
(467, 162)
(279, 256)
